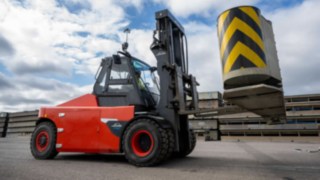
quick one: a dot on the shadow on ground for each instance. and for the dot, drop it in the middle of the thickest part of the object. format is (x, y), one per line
(194, 163)
(175, 163)
(103, 158)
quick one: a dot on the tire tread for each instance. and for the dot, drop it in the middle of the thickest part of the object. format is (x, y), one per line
(52, 152)
(164, 148)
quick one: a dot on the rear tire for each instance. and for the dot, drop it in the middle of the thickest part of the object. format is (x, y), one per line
(189, 150)
(43, 141)
(145, 143)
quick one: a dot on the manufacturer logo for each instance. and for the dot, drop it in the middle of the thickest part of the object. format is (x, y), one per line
(116, 125)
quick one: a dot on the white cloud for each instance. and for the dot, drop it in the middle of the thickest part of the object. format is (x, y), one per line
(206, 8)
(39, 29)
(138, 4)
(204, 60)
(44, 39)
(139, 45)
(297, 31)
(21, 93)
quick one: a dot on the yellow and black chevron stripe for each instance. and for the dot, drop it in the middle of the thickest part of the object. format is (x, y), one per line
(240, 38)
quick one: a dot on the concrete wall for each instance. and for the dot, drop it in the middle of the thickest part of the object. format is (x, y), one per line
(22, 123)
(303, 121)
(3, 124)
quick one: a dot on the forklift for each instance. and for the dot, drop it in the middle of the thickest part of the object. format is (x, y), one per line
(134, 109)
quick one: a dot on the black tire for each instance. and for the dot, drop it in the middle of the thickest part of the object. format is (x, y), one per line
(43, 141)
(186, 152)
(171, 144)
(145, 143)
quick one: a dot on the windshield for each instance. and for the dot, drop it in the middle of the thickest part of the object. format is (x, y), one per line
(150, 78)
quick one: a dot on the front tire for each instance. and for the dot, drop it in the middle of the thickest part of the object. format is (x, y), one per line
(43, 141)
(145, 143)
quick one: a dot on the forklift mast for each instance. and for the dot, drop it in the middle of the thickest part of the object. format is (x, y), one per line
(170, 49)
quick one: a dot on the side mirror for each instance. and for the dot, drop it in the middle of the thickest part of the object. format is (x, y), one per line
(152, 69)
(116, 59)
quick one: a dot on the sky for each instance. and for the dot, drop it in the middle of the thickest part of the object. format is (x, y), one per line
(50, 50)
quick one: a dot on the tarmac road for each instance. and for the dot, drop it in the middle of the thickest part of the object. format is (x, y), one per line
(210, 160)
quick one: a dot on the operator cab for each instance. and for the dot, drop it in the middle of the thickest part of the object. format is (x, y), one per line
(125, 80)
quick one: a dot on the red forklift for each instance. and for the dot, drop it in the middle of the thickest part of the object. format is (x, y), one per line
(134, 109)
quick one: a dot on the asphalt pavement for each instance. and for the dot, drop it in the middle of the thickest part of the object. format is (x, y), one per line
(210, 160)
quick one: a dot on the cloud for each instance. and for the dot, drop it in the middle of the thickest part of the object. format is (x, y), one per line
(48, 26)
(138, 4)
(4, 83)
(29, 92)
(139, 45)
(297, 31)
(75, 6)
(6, 48)
(54, 39)
(208, 8)
(204, 60)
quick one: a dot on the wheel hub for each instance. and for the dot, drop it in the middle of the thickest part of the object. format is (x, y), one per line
(42, 141)
(142, 143)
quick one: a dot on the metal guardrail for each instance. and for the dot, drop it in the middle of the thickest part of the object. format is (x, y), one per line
(21, 123)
